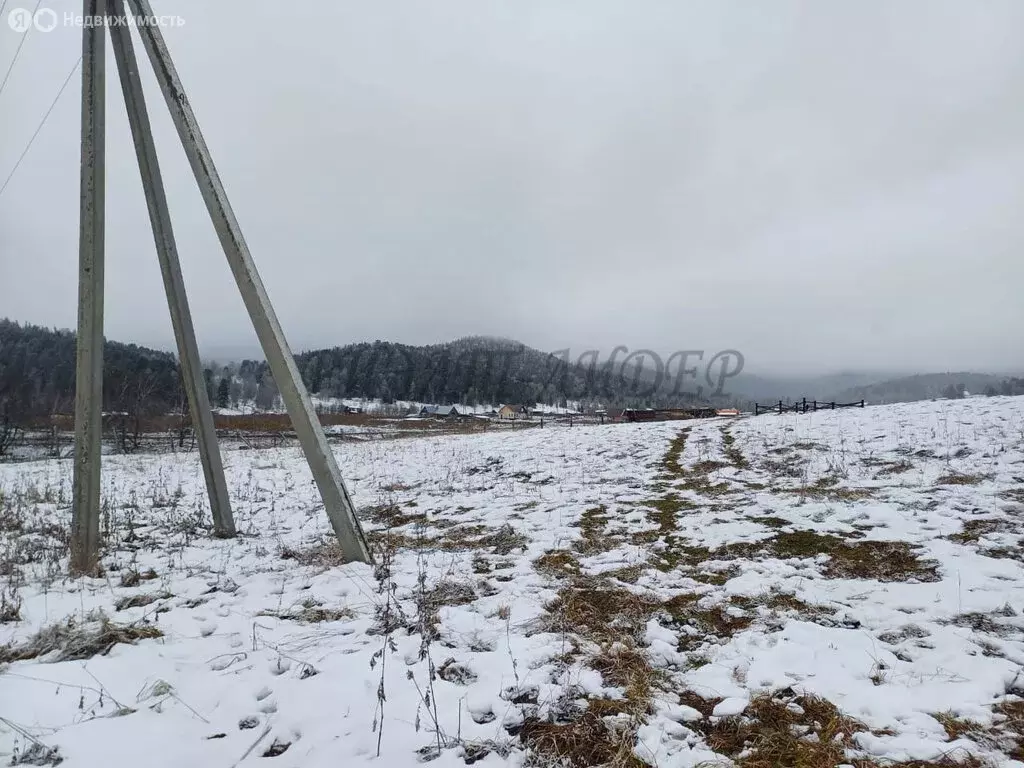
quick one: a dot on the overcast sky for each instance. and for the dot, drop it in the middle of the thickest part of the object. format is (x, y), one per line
(822, 185)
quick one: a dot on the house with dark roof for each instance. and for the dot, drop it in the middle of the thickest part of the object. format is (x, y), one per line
(439, 411)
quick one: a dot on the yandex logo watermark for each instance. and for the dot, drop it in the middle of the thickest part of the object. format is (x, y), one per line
(47, 19)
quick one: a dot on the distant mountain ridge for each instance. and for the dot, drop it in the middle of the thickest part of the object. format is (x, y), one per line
(929, 385)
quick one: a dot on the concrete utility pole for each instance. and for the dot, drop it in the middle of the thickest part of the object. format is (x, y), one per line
(89, 381)
(321, 461)
(170, 268)
(85, 514)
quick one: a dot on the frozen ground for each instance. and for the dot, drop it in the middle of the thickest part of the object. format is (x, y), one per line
(821, 589)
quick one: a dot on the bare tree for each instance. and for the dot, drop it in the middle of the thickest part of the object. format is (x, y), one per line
(138, 404)
(11, 427)
(58, 424)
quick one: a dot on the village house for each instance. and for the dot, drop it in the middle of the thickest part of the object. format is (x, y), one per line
(509, 411)
(439, 411)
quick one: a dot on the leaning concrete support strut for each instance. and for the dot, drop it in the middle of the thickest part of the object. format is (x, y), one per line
(170, 269)
(321, 461)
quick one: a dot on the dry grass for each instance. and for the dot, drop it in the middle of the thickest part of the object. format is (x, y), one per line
(732, 452)
(140, 601)
(1005, 734)
(500, 541)
(826, 488)
(957, 727)
(848, 559)
(663, 511)
(670, 462)
(598, 609)
(557, 563)
(708, 466)
(701, 484)
(613, 618)
(132, 577)
(955, 478)
(1012, 494)
(780, 729)
(312, 612)
(326, 554)
(778, 603)
(880, 560)
(1000, 623)
(626, 667)
(448, 593)
(37, 754)
(630, 574)
(592, 524)
(894, 468)
(786, 467)
(716, 621)
(595, 737)
(862, 559)
(799, 731)
(723, 620)
(72, 641)
(807, 445)
(949, 761)
(10, 605)
(974, 529)
(1013, 725)
(391, 515)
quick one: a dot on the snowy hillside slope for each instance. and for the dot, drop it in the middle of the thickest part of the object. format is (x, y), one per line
(846, 586)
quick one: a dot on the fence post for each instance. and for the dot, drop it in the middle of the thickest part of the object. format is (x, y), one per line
(833, 405)
(861, 403)
(780, 407)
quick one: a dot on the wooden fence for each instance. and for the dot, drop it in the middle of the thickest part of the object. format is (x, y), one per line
(803, 406)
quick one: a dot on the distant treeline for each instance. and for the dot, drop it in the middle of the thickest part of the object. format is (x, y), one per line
(37, 378)
(476, 370)
(931, 385)
(1010, 386)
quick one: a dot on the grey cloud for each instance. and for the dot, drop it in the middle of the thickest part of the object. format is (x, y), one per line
(822, 185)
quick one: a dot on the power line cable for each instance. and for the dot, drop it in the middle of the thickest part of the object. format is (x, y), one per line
(21, 42)
(41, 124)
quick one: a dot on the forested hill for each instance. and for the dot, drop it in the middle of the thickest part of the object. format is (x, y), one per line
(931, 385)
(37, 373)
(37, 376)
(473, 370)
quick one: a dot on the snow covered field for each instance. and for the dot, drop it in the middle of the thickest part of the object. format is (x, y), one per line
(832, 588)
